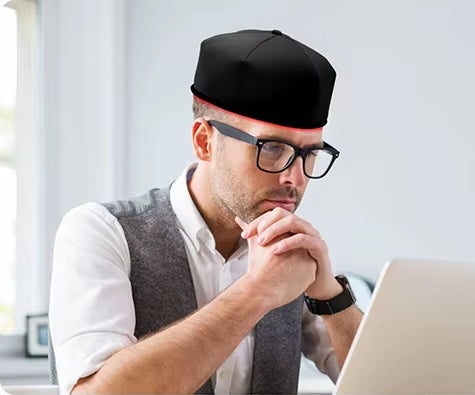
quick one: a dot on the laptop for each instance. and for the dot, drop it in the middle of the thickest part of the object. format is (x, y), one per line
(418, 336)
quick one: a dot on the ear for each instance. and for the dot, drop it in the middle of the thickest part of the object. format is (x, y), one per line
(201, 134)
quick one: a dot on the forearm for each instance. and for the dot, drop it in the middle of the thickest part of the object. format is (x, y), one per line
(341, 328)
(182, 357)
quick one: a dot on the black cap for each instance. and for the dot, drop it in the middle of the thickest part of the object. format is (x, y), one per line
(267, 76)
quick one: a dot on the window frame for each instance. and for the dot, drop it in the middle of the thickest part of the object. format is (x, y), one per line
(27, 165)
(50, 182)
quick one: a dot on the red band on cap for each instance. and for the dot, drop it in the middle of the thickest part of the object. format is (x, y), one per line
(318, 130)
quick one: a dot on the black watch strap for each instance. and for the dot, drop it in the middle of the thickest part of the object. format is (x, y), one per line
(339, 303)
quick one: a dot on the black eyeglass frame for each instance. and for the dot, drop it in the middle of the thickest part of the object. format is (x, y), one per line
(240, 135)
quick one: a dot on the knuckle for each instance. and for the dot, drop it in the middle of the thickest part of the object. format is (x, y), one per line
(322, 246)
(292, 219)
(311, 229)
(279, 212)
(260, 228)
(284, 243)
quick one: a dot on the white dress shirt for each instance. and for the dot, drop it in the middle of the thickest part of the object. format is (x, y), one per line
(92, 312)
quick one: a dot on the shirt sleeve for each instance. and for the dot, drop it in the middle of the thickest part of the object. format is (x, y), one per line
(316, 345)
(91, 313)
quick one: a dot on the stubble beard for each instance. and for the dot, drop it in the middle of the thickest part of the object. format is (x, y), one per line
(232, 199)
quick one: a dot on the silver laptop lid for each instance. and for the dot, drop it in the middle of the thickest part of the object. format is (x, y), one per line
(418, 336)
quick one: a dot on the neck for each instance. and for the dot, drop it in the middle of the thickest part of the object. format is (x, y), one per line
(220, 221)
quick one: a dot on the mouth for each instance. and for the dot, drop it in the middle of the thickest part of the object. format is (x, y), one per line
(287, 204)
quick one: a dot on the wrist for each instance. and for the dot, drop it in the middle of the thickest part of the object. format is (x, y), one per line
(335, 304)
(262, 299)
(326, 290)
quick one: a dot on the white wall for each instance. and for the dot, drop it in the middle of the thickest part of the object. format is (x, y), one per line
(81, 125)
(402, 114)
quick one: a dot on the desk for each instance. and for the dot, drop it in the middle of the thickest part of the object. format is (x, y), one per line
(31, 389)
(309, 381)
(54, 390)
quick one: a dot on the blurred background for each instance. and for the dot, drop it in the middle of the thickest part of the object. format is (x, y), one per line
(95, 105)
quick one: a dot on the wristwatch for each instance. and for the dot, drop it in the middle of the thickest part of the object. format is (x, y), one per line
(339, 303)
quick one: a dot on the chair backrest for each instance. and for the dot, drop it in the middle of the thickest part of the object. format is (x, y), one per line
(51, 362)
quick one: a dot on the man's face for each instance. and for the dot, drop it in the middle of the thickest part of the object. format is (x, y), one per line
(241, 189)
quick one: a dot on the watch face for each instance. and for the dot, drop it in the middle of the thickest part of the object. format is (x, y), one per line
(343, 280)
(350, 290)
(362, 289)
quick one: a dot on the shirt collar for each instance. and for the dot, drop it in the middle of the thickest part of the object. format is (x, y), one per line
(190, 219)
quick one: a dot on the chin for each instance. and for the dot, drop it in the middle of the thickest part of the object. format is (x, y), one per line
(249, 216)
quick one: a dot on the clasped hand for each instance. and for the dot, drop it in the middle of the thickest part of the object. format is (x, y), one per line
(289, 257)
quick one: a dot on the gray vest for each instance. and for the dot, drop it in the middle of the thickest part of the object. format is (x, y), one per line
(163, 292)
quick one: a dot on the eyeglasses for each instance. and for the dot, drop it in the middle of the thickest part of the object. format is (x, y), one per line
(275, 156)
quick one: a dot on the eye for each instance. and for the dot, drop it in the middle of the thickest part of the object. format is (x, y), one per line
(273, 148)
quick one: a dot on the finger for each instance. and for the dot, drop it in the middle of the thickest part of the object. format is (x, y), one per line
(317, 248)
(251, 228)
(263, 221)
(290, 224)
(240, 222)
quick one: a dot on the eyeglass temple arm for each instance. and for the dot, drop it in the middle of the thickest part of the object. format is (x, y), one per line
(230, 131)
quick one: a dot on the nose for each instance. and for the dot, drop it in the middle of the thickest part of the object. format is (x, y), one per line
(294, 175)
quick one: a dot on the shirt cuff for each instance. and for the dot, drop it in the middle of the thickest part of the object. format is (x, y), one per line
(84, 355)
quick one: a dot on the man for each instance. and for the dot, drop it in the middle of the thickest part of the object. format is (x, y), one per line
(199, 287)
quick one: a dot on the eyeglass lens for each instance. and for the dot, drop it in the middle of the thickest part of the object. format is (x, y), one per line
(275, 156)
